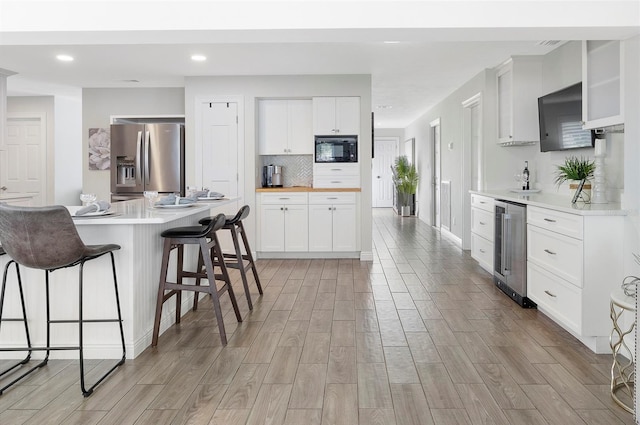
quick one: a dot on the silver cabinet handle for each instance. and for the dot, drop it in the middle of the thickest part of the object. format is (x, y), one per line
(336, 181)
(482, 202)
(549, 293)
(147, 142)
(329, 208)
(482, 251)
(332, 197)
(286, 209)
(139, 158)
(549, 252)
(482, 223)
(549, 220)
(282, 199)
(281, 208)
(336, 169)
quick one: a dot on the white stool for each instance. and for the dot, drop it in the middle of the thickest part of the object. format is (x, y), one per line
(622, 369)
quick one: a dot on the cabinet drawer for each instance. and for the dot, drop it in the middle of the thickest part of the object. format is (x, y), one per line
(482, 202)
(482, 223)
(482, 251)
(556, 221)
(562, 300)
(337, 169)
(336, 181)
(332, 198)
(284, 198)
(557, 253)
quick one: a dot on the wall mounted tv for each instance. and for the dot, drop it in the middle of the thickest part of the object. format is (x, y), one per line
(560, 120)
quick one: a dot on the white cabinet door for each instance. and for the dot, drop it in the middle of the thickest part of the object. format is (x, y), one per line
(320, 228)
(336, 115)
(505, 110)
(348, 115)
(324, 115)
(344, 227)
(602, 96)
(272, 127)
(272, 228)
(296, 228)
(300, 127)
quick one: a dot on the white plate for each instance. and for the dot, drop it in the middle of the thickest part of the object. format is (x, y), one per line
(525, 190)
(172, 206)
(94, 214)
(214, 198)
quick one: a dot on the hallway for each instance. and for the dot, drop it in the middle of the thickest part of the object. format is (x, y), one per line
(419, 336)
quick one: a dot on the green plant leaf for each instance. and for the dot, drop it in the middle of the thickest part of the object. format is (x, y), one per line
(574, 169)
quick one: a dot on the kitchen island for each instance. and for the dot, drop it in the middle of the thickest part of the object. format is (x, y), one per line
(136, 228)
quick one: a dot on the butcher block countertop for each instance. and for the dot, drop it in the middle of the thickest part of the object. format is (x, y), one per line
(306, 189)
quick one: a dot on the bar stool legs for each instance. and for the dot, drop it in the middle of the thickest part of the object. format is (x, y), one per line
(210, 255)
(238, 228)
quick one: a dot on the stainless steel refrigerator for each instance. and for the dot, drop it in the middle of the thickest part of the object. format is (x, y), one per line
(510, 255)
(146, 157)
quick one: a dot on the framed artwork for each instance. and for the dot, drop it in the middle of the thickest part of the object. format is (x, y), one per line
(99, 149)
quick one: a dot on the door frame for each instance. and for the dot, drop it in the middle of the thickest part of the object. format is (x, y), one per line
(468, 150)
(436, 155)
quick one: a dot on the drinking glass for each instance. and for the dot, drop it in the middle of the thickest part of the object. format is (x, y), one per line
(151, 196)
(87, 198)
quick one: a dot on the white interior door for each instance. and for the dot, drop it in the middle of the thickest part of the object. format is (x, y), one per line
(220, 147)
(23, 159)
(435, 136)
(386, 149)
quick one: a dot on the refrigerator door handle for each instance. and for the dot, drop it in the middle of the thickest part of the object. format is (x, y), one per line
(146, 157)
(138, 153)
(506, 244)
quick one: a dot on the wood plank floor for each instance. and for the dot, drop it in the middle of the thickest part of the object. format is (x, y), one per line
(418, 336)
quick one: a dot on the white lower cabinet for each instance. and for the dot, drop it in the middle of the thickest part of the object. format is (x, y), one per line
(332, 222)
(482, 225)
(284, 222)
(315, 222)
(574, 262)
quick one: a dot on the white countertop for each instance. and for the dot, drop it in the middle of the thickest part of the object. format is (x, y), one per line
(137, 212)
(555, 202)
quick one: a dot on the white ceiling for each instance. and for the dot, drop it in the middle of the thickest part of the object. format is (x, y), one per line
(410, 76)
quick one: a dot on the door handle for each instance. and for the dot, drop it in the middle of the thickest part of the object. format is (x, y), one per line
(138, 154)
(147, 142)
(506, 243)
(3, 188)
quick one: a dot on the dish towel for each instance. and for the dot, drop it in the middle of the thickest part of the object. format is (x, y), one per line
(94, 207)
(172, 199)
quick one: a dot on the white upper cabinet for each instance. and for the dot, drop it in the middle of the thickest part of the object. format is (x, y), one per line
(602, 96)
(284, 127)
(336, 116)
(518, 85)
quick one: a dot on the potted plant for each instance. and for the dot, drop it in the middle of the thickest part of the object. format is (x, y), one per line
(574, 170)
(405, 178)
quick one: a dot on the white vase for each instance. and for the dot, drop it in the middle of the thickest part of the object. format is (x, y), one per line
(405, 210)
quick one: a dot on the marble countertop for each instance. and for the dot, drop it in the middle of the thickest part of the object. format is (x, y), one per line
(555, 202)
(136, 211)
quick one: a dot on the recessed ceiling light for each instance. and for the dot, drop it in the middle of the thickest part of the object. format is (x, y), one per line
(198, 58)
(65, 58)
(391, 42)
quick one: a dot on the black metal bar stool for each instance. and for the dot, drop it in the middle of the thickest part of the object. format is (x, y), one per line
(46, 238)
(209, 255)
(237, 260)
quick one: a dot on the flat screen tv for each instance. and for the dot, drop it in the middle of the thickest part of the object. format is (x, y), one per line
(560, 120)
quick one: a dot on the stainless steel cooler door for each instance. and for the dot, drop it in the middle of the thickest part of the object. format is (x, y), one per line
(164, 158)
(127, 158)
(516, 226)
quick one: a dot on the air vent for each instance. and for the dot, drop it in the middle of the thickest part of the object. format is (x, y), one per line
(549, 43)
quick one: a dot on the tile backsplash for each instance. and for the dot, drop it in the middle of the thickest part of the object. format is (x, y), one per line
(297, 170)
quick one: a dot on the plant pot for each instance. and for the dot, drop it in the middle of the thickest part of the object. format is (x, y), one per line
(585, 196)
(405, 210)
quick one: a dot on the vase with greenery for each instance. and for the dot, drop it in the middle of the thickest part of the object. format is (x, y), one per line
(574, 170)
(405, 178)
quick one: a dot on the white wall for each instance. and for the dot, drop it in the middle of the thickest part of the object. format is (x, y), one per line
(67, 163)
(98, 105)
(251, 88)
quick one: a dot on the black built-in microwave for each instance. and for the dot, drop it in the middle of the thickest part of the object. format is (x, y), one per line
(336, 149)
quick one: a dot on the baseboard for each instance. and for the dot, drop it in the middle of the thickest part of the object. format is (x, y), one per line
(366, 256)
(450, 236)
(308, 255)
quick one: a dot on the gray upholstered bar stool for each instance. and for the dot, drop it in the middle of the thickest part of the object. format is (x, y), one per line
(209, 255)
(238, 260)
(46, 238)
